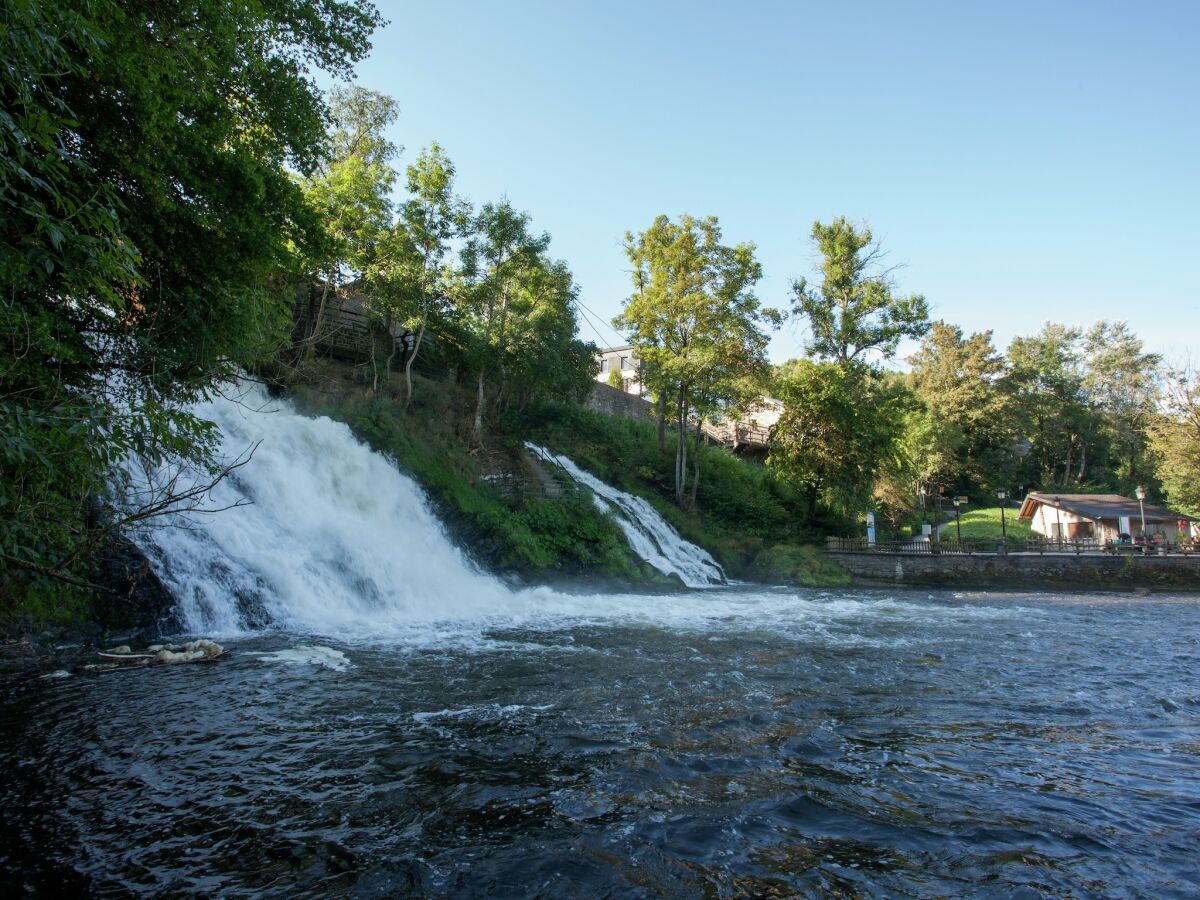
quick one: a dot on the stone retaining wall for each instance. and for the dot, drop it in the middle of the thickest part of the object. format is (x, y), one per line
(1026, 570)
(612, 402)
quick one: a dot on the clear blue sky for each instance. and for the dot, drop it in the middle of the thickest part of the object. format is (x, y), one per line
(1024, 161)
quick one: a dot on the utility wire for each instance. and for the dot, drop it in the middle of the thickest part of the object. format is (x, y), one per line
(590, 324)
(591, 320)
(584, 309)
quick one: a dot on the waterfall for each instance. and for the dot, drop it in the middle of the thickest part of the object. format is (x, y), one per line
(329, 537)
(318, 533)
(648, 533)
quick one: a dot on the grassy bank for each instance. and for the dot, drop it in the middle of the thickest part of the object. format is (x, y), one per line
(513, 532)
(985, 524)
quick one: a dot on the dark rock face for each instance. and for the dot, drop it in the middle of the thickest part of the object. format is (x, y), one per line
(133, 599)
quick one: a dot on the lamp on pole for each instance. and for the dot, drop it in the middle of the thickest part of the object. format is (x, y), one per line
(1001, 495)
(957, 525)
(1140, 493)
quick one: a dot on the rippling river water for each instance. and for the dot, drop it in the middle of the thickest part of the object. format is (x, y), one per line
(727, 743)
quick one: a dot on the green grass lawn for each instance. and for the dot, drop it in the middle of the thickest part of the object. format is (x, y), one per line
(984, 524)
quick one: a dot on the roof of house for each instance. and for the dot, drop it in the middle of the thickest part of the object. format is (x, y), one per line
(603, 350)
(1099, 506)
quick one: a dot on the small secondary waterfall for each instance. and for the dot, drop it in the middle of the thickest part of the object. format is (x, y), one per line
(319, 533)
(650, 535)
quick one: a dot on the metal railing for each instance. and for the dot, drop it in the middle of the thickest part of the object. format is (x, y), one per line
(737, 434)
(992, 546)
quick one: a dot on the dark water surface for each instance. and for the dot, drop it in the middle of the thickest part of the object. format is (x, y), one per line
(850, 744)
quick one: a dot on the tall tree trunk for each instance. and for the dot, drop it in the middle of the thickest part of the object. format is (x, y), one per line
(662, 421)
(696, 464)
(316, 330)
(374, 364)
(412, 357)
(477, 428)
(681, 455)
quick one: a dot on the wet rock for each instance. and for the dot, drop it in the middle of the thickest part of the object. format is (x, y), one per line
(133, 600)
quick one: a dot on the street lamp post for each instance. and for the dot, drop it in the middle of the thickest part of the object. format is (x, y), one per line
(1141, 495)
(957, 525)
(1001, 495)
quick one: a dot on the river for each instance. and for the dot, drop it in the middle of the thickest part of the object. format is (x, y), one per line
(730, 742)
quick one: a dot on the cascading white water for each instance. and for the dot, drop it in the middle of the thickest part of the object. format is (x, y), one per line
(331, 538)
(334, 539)
(649, 534)
(337, 542)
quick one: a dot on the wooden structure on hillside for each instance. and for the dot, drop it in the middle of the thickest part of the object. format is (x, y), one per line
(740, 437)
(347, 330)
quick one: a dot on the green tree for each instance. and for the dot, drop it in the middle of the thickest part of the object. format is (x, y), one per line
(1175, 440)
(146, 234)
(855, 310)
(1120, 381)
(351, 196)
(413, 279)
(962, 383)
(696, 323)
(841, 425)
(543, 358)
(500, 243)
(840, 398)
(1047, 376)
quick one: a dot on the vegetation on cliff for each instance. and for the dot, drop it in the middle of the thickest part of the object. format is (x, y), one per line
(489, 498)
(149, 216)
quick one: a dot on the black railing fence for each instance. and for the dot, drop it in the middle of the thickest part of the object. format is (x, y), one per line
(974, 546)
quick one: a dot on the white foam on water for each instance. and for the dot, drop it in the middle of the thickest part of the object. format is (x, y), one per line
(324, 657)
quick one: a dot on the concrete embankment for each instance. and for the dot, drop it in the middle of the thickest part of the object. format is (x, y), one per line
(1022, 571)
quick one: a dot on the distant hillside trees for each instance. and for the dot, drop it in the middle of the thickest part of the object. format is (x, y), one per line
(855, 310)
(350, 196)
(1174, 434)
(974, 421)
(480, 281)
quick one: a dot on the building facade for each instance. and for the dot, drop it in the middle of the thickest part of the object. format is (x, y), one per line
(624, 361)
(1102, 517)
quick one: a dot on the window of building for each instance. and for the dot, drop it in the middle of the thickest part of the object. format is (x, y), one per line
(625, 363)
(604, 365)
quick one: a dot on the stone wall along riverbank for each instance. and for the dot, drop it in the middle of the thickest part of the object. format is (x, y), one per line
(1020, 571)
